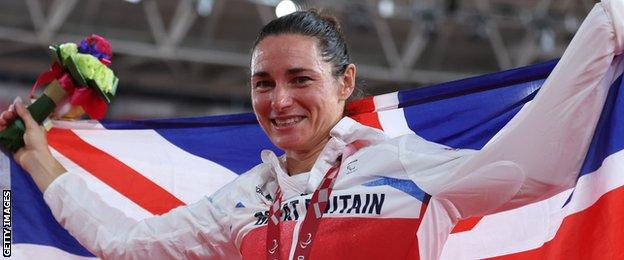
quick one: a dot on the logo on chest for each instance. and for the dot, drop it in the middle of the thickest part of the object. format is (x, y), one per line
(352, 166)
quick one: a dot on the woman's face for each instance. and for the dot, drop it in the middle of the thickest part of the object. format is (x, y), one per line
(296, 98)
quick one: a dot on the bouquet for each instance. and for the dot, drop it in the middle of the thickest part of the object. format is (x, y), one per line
(79, 81)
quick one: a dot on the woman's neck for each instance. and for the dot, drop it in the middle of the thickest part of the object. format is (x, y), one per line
(302, 161)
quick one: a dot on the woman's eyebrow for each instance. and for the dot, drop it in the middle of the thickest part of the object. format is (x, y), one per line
(264, 74)
(297, 70)
(261, 74)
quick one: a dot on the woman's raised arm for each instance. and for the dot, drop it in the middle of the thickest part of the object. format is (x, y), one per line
(539, 153)
(196, 230)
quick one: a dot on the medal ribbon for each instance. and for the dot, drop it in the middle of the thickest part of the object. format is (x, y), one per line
(314, 211)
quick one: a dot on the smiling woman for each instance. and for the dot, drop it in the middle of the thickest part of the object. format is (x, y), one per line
(296, 97)
(343, 190)
(301, 79)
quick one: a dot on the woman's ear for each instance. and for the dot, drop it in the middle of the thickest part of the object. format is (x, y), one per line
(347, 82)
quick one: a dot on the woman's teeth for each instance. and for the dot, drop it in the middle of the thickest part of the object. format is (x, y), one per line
(287, 122)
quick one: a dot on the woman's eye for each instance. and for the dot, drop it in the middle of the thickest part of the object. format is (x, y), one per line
(302, 80)
(264, 84)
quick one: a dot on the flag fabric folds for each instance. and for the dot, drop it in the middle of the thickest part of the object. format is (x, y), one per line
(149, 167)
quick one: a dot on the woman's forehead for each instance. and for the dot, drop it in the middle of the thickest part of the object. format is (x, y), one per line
(283, 52)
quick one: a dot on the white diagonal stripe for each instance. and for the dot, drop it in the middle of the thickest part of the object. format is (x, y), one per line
(317, 210)
(186, 176)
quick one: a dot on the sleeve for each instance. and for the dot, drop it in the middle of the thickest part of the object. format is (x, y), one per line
(197, 230)
(539, 153)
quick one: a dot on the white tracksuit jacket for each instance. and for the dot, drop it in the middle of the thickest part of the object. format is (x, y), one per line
(398, 198)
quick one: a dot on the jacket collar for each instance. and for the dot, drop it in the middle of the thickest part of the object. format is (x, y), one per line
(343, 133)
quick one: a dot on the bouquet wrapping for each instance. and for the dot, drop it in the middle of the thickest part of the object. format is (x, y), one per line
(79, 81)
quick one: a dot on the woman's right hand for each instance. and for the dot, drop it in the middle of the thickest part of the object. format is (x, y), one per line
(35, 157)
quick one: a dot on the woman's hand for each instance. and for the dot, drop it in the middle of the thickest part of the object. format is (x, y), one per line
(35, 157)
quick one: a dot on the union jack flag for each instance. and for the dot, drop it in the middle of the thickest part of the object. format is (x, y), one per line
(148, 167)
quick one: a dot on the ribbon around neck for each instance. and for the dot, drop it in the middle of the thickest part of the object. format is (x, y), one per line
(83, 96)
(314, 211)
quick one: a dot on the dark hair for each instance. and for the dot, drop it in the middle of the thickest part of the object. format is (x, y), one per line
(325, 29)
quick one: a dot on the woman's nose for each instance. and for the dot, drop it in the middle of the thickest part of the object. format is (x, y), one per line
(282, 98)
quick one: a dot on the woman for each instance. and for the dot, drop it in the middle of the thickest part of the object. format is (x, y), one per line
(344, 190)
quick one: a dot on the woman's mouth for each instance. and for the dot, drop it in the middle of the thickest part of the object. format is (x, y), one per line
(286, 122)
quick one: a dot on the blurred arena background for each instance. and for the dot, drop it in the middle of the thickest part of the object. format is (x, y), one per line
(180, 58)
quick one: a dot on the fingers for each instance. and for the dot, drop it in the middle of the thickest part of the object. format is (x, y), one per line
(22, 112)
(7, 116)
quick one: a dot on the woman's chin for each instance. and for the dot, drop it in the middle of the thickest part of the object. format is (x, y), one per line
(288, 143)
(293, 138)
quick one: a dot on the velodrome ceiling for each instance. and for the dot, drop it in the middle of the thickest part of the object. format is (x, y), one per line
(199, 49)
